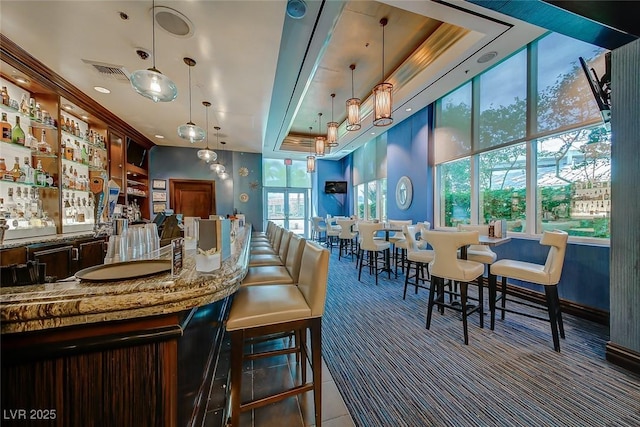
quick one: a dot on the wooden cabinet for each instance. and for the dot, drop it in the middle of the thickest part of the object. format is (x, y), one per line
(58, 259)
(90, 253)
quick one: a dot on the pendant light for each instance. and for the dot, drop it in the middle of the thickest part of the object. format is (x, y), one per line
(217, 167)
(311, 160)
(353, 107)
(206, 154)
(151, 83)
(332, 128)
(320, 140)
(382, 102)
(222, 173)
(190, 131)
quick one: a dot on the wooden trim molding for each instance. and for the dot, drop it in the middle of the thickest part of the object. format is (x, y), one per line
(21, 60)
(624, 357)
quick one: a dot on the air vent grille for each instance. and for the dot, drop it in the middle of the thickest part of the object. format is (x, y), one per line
(109, 71)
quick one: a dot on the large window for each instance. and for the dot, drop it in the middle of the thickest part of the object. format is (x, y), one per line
(277, 174)
(371, 200)
(551, 165)
(573, 182)
(455, 200)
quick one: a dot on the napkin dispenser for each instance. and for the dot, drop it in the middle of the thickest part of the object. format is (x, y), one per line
(215, 233)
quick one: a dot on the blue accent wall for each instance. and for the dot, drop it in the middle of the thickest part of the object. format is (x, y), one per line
(333, 204)
(182, 163)
(407, 154)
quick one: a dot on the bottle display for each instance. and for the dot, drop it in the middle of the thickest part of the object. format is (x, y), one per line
(17, 134)
(6, 128)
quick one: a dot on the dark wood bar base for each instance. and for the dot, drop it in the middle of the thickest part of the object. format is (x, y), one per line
(624, 357)
(153, 371)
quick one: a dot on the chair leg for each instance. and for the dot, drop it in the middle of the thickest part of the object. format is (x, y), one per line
(463, 304)
(237, 342)
(419, 275)
(434, 287)
(406, 281)
(361, 258)
(481, 300)
(503, 302)
(552, 297)
(316, 357)
(375, 266)
(388, 266)
(492, 299)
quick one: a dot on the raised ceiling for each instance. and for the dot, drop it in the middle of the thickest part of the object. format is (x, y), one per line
(267, 75)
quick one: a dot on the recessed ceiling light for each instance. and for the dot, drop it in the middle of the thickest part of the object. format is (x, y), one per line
(21, 79)
(373, 133)
(85, 117)
(487, 57)
(159, 136)
(102, 89)
(67, 107)
(407, 109)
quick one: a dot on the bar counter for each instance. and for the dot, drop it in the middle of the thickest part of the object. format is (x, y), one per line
(136, 352)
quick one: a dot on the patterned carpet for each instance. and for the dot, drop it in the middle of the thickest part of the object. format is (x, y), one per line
(391, 371)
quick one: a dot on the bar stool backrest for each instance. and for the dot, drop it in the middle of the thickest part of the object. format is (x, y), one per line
(345, 228)
(284, 244)
(445, 244)
(314, 271)
(398, 223)
(367, 231)
(410, 232)
(557, 240)
(483, 230)
(294, 256)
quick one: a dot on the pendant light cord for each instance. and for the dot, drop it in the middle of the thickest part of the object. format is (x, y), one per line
(153, 32)
(353, 67)
(207, 118)
(383, 25)
(190, 93)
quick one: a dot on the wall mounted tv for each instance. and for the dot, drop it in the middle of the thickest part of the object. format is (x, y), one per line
(136, 154)
(600, 87)
(335, 187)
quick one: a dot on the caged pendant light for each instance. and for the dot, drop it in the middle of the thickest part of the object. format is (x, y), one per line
(217, 167)
(353, 107)
(190, 131)
(311, 160)
(332, 128)
(320, 140)
(382, 101)
(151, 83)
(206, 154)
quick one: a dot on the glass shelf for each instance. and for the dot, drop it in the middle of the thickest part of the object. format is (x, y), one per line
(84, 141)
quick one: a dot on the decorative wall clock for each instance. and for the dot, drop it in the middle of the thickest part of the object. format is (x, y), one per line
(244, 197)
(243, 171)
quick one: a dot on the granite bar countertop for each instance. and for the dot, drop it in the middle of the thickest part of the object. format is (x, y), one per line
(78, 302)
(49, 238)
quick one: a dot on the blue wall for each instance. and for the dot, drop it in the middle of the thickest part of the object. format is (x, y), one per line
(407, 154)
(183, 163)
(333, 204)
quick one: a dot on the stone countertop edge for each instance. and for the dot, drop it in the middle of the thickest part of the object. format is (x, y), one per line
(60, 304)
(49, 238)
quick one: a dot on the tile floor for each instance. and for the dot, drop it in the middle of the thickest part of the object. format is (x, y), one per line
(276, 373)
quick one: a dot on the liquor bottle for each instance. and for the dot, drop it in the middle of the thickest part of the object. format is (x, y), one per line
(40, 175)
(77, 130)
(67, 125)
(17, 134)
(3, 167)
(6, 128)
(77, 152)
(80, 216)
(72, 181)
(16, 173)
(24, 105)
(5, 96)
(84, 155)
(32, 108)
(39, 112)
(43, 146)
(27, 170)
(11, 204)
(65, 177)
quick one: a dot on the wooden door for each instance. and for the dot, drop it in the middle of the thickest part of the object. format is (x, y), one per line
(191, 197)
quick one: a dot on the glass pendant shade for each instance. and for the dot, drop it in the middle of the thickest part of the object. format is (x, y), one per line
(353, 114)
(207, 155)
(223, 175)
(191, 132)
(154, 85)
(332, 134)
(311, 164)
(382, 104)
(217, 167)
(320, 145)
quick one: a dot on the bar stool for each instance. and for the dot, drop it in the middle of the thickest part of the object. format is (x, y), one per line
(332, 233)
(261, 311)
(372, 249)
(317, 228)
(547, 275)
(398, 243)
(446, 265)
(420, 258)
(347, 236)
(285, 273)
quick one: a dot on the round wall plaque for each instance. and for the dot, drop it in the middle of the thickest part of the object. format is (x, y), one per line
(404, 193)
(244, 197)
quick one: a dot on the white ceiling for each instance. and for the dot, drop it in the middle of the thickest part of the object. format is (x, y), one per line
(267, 75)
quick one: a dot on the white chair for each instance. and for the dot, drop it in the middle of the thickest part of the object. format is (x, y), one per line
(446, 265)
(333, 231)
(547, 275)
(398, 243)
(479, 253)
(422, 244)
(347, 237)
(420, 258)
(318, 228)
(371, 251)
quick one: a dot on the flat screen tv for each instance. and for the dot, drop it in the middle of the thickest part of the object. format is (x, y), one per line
(601, 88)
(136, 153)
(335, 187)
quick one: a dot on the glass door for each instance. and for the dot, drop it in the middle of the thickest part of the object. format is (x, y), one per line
(288, 208)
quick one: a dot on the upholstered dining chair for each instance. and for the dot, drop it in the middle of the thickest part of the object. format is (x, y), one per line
(447, 266)
(347, 237)
(262, 311)
(318, 228)
(284, 273)
(371, 251)
(333, 232)
(261, 256)
(418, 258)
(398, 243)
(547, 275)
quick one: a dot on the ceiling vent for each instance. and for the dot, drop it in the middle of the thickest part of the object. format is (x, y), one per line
(109, 71)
